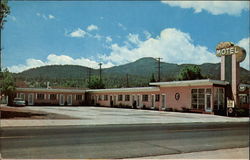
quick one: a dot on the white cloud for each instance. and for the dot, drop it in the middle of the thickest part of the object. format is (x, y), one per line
(213, 7)
(122, 26)
(54, 59)
(97, 36)
(108, 39)
(147, 34)
(92, 27)
(245, 44)
(45, 17)
(78, 33)
(134, 39)
(172, 45)
(50, 16)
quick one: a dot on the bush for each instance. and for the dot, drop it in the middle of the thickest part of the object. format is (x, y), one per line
(169, 109)
(65, 103)
(241, 112)
(120, 105)
(184, 109)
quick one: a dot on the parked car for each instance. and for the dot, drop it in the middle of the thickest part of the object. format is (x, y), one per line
(18, 102)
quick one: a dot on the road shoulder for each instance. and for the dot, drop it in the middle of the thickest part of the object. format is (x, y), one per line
(234, 153)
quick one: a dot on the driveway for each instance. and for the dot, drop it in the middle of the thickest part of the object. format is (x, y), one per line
(103, 116)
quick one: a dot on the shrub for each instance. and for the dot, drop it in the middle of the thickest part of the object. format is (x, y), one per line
(241, 112)
(169, 109)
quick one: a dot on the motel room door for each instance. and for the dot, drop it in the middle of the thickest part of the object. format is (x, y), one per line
(133, 103)
(163, 101)
(153, 101)
(61, 102)
(111, 101)
(208, 107)
(114, 99)
(69, 100)
(138, 101)
(30, 99)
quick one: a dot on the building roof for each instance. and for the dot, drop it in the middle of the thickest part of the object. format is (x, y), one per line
(190, 83)
(51, 90)
(134, 89)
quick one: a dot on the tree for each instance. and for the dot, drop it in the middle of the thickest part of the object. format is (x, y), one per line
(190, 73)
(152, 79)
(5, 10)
(95, 83)
(7, 85)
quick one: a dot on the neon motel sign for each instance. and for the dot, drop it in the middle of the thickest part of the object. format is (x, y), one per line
(228, 48)
(227, 51)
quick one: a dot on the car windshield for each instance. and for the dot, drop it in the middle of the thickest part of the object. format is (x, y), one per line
(18, 99)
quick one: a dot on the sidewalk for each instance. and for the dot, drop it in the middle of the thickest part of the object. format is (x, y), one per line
(235, 153)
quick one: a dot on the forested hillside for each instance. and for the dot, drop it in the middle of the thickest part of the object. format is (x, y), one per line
(133, 74)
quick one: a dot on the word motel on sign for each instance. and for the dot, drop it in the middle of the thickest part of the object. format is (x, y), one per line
(227, 51)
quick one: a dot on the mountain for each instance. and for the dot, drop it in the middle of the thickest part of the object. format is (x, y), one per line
(56, 72)
(139, 73)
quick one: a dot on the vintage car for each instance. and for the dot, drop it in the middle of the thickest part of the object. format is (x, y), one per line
(18, 102)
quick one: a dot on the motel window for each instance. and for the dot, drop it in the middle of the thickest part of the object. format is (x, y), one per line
(208, 90)
(244, 99)
(78, 97)
(127, 97)
(119, 97)
(194, 98)
(40, 96)
(157, 98)
(52, 96)
(100, 98)
(198, 98)
(201, 98)
(219, 99)
(145, 98)
(105, 97)
(21, 95)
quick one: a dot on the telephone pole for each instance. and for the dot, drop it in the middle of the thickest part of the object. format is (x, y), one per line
(159, 68)
(0, 59)
(100, 64)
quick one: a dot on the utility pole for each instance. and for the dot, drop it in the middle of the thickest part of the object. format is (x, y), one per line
(0, 59)
(159, 68)
(100, 64)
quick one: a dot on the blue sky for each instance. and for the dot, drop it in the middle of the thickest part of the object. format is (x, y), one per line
(86, 33)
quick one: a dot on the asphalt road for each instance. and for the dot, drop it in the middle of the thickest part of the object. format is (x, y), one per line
(120, 141)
